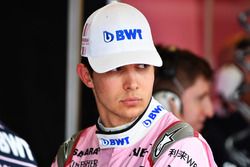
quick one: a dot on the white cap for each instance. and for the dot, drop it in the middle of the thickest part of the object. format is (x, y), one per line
(117, 35)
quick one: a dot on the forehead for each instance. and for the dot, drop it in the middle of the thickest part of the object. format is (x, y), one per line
(130, 67)
(200, 86)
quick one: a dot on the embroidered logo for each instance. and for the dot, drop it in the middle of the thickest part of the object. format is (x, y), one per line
(166, 139)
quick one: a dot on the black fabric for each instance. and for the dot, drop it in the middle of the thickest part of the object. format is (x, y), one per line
(17, 153)
(218, 129)
(33, 74)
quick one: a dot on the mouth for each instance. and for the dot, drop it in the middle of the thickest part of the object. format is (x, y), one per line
(131, 101)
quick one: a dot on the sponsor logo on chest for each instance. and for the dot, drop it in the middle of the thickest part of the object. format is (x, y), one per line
(115, 142)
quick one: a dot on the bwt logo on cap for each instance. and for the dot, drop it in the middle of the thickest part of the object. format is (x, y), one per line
(119, 35)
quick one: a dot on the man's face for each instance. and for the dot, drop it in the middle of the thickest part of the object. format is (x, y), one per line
(123, 93)
(197, 104)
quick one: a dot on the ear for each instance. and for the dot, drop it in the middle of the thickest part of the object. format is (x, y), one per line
(84, 75)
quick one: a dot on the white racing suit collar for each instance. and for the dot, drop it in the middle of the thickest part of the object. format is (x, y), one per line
(138, 130)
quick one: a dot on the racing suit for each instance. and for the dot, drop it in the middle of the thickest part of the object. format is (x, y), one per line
(14, 151)
(134, 146)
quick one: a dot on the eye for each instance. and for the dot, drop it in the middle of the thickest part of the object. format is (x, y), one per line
(116, 69)
(143, 65)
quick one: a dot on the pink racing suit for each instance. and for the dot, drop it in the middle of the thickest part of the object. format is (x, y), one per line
(133, 146)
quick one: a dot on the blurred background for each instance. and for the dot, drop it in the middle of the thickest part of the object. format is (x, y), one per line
(42, 99)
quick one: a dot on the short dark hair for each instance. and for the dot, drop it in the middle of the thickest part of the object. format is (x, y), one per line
(181, 64)
(85, 61)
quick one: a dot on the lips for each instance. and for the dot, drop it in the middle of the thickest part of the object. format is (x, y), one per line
(131, 101)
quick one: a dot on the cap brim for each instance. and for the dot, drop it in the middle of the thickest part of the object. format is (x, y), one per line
(106, 63)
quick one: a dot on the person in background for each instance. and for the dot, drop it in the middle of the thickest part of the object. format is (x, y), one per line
(232, 103)
(184, 85)
(133, 129)
(231, 147)
(14, 150)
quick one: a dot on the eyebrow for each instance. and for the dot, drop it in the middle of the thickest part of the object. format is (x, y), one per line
(203, 95)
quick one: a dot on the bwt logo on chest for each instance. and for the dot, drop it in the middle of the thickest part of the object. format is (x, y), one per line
(120, 35)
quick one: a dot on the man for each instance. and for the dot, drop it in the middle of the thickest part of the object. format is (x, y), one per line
(189, 78)
(232, 118)
(14, 151)
(133, 129)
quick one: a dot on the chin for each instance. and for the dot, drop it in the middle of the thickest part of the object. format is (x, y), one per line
(134, 113)
(199, 128)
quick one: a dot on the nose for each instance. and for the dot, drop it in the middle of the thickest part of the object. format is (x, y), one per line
(208, 109)
(130, 80)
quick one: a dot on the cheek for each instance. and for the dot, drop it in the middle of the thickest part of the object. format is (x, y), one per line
(190, 109)
(188, 112)
(105, 86)
(149, 83)
(148, 80)
(104, 92)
